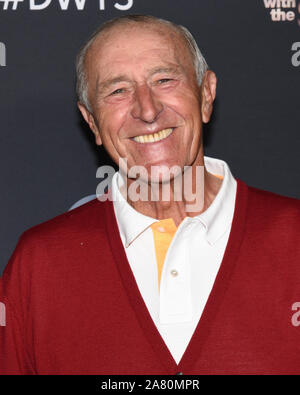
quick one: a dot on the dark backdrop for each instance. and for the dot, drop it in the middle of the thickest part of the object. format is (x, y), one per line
(48, 158)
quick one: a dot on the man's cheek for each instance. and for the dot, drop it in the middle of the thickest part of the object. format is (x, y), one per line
(109, 123)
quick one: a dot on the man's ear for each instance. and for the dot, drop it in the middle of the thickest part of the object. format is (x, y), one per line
(89, 118)
(208, 93)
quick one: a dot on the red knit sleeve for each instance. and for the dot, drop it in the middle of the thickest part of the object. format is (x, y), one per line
(14, 356)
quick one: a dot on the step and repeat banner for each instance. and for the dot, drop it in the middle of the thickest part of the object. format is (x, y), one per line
(48, 156)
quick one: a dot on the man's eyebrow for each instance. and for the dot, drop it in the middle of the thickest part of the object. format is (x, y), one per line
(112, 81)
(161, 70)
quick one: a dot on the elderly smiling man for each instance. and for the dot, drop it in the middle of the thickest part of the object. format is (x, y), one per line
(155, 286)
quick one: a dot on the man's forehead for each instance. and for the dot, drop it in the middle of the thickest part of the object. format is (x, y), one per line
(119, 37)
(135, 45)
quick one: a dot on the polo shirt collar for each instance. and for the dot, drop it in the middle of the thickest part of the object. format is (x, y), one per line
(216, 219)
(131, 222)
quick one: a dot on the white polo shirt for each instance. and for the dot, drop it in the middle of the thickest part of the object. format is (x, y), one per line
(194, 255)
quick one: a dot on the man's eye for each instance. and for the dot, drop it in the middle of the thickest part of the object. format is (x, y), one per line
(117, 91)
(164, 80)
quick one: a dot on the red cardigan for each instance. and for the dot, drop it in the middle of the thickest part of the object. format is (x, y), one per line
(73, 306)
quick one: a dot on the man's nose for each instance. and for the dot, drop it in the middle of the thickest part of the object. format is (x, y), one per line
(146, 107)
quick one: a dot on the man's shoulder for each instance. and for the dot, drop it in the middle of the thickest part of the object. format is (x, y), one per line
(85, 219)
(59, 242)
(272, 199)
(267, 205)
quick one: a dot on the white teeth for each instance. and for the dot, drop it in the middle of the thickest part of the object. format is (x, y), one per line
(151, 138)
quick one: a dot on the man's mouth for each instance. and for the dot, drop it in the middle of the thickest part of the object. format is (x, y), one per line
(153, 138)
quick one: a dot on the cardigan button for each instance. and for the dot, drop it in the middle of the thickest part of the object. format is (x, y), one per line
(179, 374)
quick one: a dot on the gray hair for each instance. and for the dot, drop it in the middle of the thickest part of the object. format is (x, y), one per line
(200, 64)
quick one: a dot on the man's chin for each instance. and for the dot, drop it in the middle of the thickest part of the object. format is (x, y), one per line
(163, 174)
(162, 177)
(154, 173)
